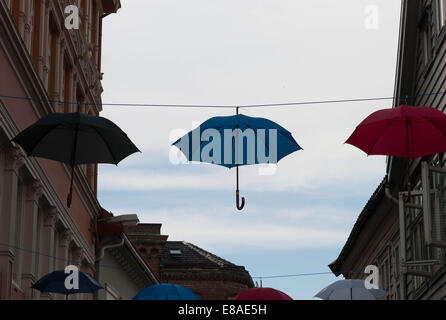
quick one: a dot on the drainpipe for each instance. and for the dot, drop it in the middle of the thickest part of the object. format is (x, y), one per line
(389, 194)
(100, 257)
(110, 246)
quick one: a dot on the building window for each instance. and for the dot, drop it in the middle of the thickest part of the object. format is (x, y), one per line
(384, 275)
(54, 39)
(15, 11)
(54, 253)
(154, 253)
(38, 240)
(94, 31)
(17, 234)
(442, 11)
(68, 71)
(35, 42)
(397, 262)
(427, 36)
(80, 99)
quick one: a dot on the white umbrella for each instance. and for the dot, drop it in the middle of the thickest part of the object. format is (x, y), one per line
(350, 290)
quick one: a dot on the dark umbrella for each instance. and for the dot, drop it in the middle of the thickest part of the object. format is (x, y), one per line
(406, 131)
(285, 144)
(76, 138)
(55, 283)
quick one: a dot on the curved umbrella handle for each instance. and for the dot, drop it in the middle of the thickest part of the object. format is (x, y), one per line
(237, 194)
(237, 200)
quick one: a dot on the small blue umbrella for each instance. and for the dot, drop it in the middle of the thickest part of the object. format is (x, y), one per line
(235, 141)
(55, 283)
(166, 292)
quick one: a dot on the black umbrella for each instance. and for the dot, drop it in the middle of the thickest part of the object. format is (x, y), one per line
(55, 282)
(76, 138)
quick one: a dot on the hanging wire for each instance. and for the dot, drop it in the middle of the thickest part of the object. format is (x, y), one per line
(313, 274)
(294, 275)
(299, 103)
(286, 104)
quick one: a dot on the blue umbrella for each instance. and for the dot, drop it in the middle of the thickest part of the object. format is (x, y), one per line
(166, 292)
(55, 283)
(235, 141)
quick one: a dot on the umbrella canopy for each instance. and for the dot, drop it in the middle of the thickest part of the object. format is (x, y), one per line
(405, 131)
(350, 290)
(235, 141)
(249, 153)
(166, 292)
(262, 294)
(76, 138)
(55, 283)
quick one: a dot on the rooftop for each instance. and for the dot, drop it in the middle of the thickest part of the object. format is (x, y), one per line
(366, 213)
(184, 254)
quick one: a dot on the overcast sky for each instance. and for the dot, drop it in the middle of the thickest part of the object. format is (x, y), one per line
(238, 52)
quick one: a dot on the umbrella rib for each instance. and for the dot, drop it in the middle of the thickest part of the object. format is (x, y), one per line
(107, 145)
(379, 136)
(41, 139)
(435, 125)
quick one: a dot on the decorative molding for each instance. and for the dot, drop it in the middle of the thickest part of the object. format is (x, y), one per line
(15, 158)
(77, 255)
(65, 238)
(50, 217)
(34, 190)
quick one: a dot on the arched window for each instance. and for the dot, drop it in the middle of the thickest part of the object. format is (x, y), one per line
(154, 253)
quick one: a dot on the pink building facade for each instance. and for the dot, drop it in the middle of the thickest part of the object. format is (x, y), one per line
(43, 60)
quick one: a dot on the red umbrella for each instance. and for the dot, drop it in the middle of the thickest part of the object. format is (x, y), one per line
(406, 131)
(262, 294)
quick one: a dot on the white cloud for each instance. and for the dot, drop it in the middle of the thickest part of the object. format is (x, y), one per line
(133, 180)
(226, 231)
